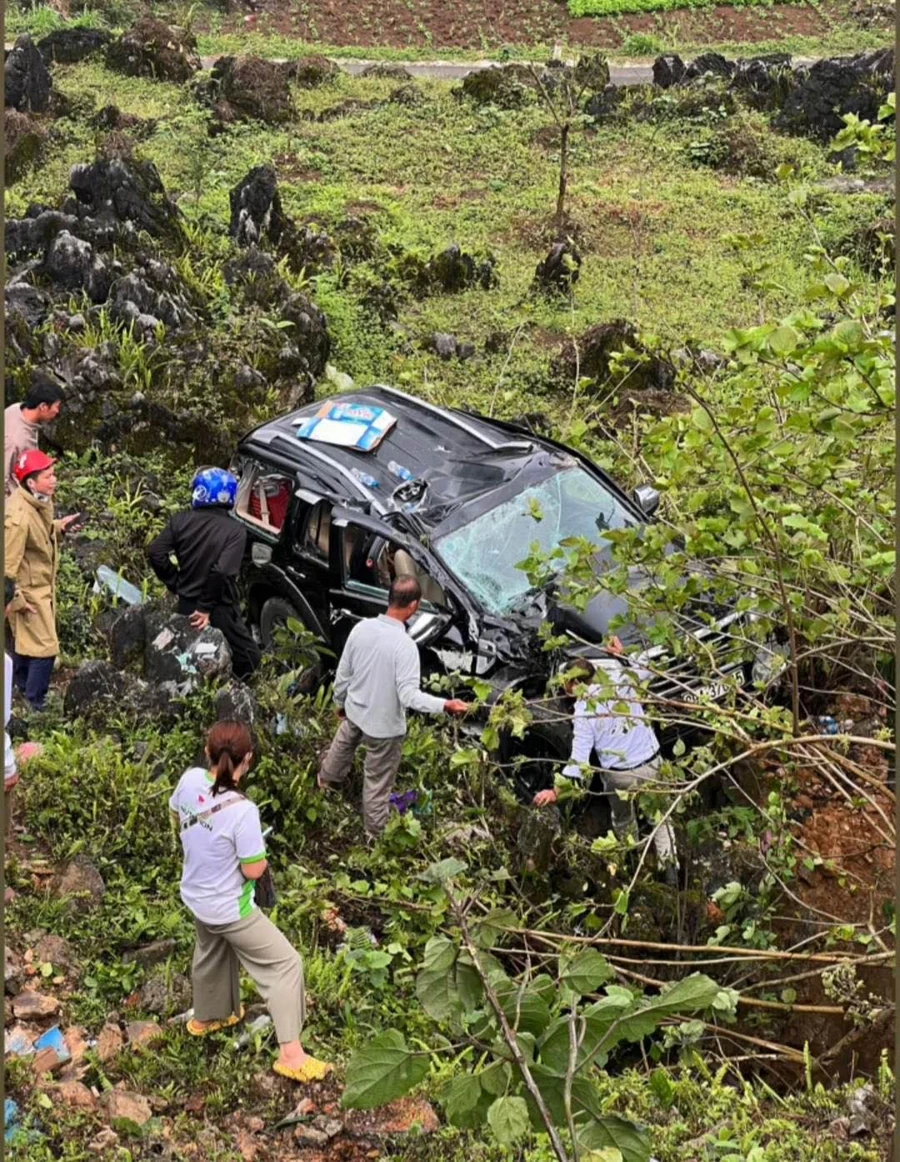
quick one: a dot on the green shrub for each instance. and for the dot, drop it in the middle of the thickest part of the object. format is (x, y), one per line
(619, 7)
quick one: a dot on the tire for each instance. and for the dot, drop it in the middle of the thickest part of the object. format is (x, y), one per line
(274, 613)
(535, 757)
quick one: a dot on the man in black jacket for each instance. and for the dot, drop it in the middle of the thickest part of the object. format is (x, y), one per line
(208, 547)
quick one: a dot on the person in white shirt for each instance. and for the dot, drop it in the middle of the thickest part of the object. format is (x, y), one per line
(224, 856)
(609, 720)
(377, 681)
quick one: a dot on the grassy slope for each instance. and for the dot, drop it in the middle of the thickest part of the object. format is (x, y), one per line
(654, 230)
(651, 225)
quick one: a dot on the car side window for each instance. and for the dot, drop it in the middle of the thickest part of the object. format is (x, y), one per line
(315, 538)
(378, 562)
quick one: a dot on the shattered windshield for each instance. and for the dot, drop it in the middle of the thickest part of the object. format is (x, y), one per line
(484, 553)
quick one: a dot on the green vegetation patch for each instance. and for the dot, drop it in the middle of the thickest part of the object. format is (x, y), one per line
(621, 7)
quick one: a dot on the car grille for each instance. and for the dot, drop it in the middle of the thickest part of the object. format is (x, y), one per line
(721, 652)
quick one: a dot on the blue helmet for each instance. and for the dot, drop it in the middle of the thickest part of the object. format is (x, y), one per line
(213, 486)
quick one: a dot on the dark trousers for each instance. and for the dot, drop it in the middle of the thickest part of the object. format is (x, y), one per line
(245, 653)
(31, 677)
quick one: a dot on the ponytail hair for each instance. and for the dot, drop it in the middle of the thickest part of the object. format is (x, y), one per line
(227, 745)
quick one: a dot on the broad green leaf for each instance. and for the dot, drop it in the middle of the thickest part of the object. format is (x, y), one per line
(783, 340)
(468, 984)
(597, 1021)
(689, 995)
(465, 1102)
(662, 1087)
(837, 284)
(445, 869)
(526, 1010)
(552, 1086)
(381, 1071)
(700, 419)
(436, 982)
(495, 1079)
(492, 927)
(462, 758)
(508, 1119)
(585, 972)
(613, 1132)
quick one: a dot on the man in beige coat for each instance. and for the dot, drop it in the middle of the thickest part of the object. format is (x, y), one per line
(31, 556)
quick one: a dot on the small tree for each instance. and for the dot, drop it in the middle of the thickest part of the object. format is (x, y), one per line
(562, 91)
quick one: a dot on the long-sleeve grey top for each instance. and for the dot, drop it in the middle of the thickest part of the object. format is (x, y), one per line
(378, 678)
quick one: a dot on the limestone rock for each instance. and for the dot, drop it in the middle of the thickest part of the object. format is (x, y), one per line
(150, 954)
(75, 1095)
(27, 81)
(71, 45)
(131, 1107)
(154, 49)
(33, 1006)
(82, 883)
(24, 142)
(179, 658)
(560, 270)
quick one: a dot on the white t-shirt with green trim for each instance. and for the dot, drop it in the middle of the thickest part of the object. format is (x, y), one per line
(212, 883)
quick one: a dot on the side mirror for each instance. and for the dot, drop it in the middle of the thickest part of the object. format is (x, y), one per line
(647, 498)
(261, 554)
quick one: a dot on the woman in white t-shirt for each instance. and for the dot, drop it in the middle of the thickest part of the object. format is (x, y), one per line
(224, 856)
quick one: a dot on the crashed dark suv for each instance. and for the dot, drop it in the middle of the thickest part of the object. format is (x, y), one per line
(449, 497)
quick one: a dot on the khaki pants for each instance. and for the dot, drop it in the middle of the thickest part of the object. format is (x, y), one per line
(622, 811)
(379, 770)
(271, 962)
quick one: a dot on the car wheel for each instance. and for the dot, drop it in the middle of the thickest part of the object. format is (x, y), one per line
(535, 760)
(276, 613)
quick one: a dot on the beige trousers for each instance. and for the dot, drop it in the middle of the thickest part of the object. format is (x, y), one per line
(622, 811)
(271, 962)
(379, 770)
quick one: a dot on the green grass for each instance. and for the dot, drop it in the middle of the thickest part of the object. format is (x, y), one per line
(450, 172)
(623, 7)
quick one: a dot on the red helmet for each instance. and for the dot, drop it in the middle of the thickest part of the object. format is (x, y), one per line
(30, 462)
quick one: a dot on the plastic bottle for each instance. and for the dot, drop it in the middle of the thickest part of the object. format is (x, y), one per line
(399, 470)
(258, 1026)
(117, 585)
(365, 478)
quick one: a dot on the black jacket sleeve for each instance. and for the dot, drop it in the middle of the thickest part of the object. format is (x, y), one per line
(224, 572)
(160, 553)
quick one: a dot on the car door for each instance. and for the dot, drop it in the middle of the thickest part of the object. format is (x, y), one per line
(307, 557)
(360, 583)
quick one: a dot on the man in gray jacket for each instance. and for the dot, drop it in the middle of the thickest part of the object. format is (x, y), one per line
(377, 681)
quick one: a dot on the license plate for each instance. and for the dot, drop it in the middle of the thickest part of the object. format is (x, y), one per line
(713, 692)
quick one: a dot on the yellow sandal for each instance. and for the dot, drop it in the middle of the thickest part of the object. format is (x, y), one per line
(197, 1030)
(311, 1070)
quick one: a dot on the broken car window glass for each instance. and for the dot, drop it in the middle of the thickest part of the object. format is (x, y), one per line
(484, 553)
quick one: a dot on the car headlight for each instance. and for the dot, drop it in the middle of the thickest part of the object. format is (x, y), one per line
(769, 664)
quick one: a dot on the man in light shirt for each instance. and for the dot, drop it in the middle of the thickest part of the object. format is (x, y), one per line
(609, 720)
(377, 681)
(22, 422)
